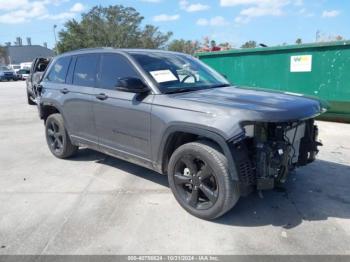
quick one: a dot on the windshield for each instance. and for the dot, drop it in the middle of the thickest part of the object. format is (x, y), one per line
(178, 72)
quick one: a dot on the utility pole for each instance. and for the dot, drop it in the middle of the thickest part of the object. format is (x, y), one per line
(54, 33)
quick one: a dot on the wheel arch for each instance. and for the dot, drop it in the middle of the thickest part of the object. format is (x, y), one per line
(177, 135)
(47, 109)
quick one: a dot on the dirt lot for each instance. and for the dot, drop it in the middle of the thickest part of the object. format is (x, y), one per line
(95, 204)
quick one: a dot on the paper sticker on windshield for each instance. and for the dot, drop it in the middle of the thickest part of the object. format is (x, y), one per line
(163, 76)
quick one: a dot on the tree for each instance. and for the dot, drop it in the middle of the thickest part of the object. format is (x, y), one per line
(249, 44)
(181, 45)
(299, 41)
(225, 46)
(152, 38)
(114, 26)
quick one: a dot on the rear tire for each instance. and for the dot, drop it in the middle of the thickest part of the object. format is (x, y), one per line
(57, 137)
(200, 181)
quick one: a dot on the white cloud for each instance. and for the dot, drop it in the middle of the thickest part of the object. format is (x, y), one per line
(305, 13)
(73, 11)
(7, 5)
(215, 21)
(165, 18)
(23, 11)
(77, 8)
(59, 16)
(330, 13)
(185, 5)
(257, 8)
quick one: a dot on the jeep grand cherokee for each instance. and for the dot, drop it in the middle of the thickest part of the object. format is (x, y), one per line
(171, 113)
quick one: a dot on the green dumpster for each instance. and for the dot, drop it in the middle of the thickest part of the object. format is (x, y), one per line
(321, 70)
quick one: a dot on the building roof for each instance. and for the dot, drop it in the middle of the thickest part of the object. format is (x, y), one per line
(26, 53)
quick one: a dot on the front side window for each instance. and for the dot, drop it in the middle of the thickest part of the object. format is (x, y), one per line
(59, 70)
(175, 72)
(113, 68)
(85, 70)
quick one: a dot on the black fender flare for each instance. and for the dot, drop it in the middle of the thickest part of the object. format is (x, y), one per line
(205, 133)
(41, 106)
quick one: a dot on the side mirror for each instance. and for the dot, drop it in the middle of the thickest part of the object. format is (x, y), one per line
(132, 85)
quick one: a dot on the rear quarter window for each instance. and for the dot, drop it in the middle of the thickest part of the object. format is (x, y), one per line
(85, 70)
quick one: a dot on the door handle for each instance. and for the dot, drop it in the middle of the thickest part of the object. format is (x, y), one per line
(101, 96)
(64, 91)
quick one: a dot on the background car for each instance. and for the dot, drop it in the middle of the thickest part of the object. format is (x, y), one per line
(38, 67)
(23, 74)
(7, 74)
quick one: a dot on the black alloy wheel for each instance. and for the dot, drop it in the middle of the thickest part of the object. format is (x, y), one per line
(195, 182)
(57, 137)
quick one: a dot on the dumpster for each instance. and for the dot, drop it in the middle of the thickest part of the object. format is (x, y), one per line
(320, 70)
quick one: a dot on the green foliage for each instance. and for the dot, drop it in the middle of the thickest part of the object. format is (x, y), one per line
(114, 26)
(181, 45)
(249, 44)
(299, 41)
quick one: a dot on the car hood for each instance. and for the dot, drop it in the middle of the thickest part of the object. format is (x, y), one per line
(256, 105)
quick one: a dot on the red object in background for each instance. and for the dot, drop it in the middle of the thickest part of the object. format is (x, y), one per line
(215, 48)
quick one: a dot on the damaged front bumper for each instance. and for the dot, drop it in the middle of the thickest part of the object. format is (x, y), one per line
(269, 151)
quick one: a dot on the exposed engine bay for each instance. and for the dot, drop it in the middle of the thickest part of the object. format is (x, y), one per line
(270, 151)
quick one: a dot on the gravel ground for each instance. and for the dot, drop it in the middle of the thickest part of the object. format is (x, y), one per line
(95, 204)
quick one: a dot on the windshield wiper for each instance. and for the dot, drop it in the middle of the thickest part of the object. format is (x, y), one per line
(189, 89)
(219, 85)
(180, 90)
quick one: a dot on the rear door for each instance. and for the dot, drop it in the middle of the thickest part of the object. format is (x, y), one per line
(77, 98)
(122, 119)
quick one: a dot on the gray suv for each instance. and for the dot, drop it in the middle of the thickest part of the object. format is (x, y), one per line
(171, 113)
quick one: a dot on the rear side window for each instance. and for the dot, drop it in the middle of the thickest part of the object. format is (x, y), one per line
(85, 70)
(114, 67)
(59, 70)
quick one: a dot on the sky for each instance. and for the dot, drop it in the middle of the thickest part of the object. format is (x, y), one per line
(271, 22)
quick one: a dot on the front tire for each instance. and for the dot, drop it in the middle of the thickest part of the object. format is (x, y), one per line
(57, 137)
(200, 181)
